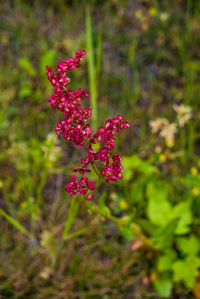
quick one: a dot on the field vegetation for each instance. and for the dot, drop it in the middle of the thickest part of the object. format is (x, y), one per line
(139, 237)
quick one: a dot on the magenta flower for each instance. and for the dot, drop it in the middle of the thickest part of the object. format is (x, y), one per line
(76, 129)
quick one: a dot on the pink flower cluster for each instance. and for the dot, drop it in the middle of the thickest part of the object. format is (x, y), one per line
(76, 129)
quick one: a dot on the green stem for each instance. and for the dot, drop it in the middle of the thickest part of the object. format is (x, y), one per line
(94, 167)
(91, 68)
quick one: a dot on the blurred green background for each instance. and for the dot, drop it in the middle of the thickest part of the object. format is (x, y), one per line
(143, 61)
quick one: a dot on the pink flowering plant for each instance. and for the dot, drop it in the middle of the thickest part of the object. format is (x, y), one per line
(75, 128)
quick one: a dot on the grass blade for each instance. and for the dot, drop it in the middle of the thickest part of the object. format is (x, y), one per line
(91, 68)
(15, 223)
(73, 210)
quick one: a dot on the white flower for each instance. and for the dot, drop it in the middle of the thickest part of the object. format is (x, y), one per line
(168, 133)
(164, 16)
(183, 113)
(157, 124)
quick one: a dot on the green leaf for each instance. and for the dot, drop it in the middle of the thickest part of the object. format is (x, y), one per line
(186, 270)
(127, 233)
(188, 245)
(163, 285)
(127, 174)
(163, 237)
(27, 66)
(47, 58)
(158, 208)
(165, 261)
(160, 211)
(71, 215)
(77, 233)
(102, 206)
(135, 163)
(14, 222)
(182, 210)
(25, 92)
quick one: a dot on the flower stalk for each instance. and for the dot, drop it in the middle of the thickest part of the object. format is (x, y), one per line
(75, 128)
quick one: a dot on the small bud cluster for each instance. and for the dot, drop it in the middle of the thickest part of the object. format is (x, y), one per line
(76, 129)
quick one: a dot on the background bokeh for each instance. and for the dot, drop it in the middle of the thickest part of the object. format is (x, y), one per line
(143, 61)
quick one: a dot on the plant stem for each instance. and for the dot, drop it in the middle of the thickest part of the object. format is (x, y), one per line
(91, 68)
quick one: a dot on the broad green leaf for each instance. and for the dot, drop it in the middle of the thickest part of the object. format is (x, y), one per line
(158, 211)
(137, 189)
(182, 210)
(188, 245)
(163, 285)
(186, 270)
(165, 261)
(147, 226)
(163, 237)
(158, 208)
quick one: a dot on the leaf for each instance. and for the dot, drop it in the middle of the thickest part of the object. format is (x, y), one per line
(25, 92)
(188, 245)
(158, 208)
(186, 270)
(127, 174)
(135, 163)
(165, 261)
(27, 66)
(77, 233)
(163, 285)
(127, 233)
(164, 235)
(160, 211)
(182, 210)
(47, 58)
(102, 206)
(147, 226)
(71, 215)
(14, 222)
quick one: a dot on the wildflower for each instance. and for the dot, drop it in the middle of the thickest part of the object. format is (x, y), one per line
(158, 149)
(45, 273)
(145, 25)
(165, 129)
(164, 16)
(139, 14)
(123, 204)
(81, 186)
(194, 171)
(162, 157)
(183, 113)
(152, 11)
(157, 124)
(168, 133)
(195, 191)
(76, 129)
